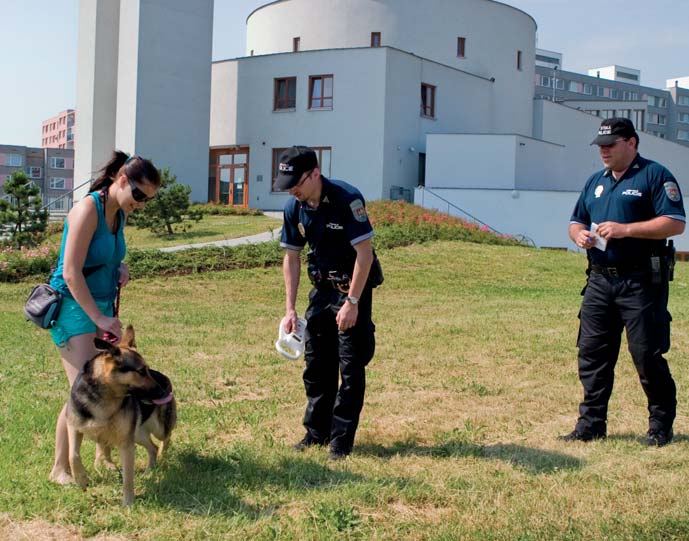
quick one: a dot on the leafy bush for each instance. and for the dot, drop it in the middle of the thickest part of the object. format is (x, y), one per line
(16, 264)
(215, 209)
(157, 263)
(398, 223)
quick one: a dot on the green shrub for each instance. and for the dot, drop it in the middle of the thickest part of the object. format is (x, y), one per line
(216, 209)
(16, 264)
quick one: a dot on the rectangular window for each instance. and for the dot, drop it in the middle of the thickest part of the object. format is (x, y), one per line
(321, 92)
(57, 183)
(655, 118)
(324, 161)
(57, 203)
(461, 47)
(573, 86)
(682, 100)
(296, 42)
(588, 90)
(600, 91)
(615, 94)
(375, 39)
(14, 160)
(34, 172)
(285, 94)
(57, 163)
(560, 84)
(683, 135)
(545, 80)
(683, 117)
(519, 60)
(427, 100)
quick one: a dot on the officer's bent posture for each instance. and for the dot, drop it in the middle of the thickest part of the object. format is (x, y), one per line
(622, 218)
(331, 216)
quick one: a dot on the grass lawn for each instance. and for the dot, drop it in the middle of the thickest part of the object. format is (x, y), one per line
(210, 228)
(474, 377)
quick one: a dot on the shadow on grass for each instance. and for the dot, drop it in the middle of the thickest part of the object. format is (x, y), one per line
(640, 438)
(533, 461)
(204, 485)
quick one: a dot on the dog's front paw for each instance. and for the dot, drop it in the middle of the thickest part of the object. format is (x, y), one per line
(81, 479)
(61, 477)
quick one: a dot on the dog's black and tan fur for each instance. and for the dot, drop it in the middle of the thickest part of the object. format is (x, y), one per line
(110, 403)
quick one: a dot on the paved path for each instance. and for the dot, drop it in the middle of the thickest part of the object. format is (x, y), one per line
(251, 239)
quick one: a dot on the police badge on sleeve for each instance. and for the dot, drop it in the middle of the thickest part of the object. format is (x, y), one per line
(672, 191)
(358, 210)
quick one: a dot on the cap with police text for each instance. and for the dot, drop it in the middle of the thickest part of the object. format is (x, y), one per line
(294, 162)
(612, 129)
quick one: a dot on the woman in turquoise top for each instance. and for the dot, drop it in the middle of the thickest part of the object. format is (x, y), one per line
(90, 269)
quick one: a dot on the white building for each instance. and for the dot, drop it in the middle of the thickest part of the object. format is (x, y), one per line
(392, 94)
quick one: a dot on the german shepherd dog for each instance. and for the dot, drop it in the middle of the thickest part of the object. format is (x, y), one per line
(118, 401)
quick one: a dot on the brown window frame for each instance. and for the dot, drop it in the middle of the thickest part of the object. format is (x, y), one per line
(375, 39)
(461, 47)
(296, 44)
(282, 103)
(276, 157)
(323, 97)
(425, 107)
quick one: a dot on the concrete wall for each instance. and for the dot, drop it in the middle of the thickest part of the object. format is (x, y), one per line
(540, 216)
(406, 129)
(96, 87)
(428, 29)
(223, 117)
(164, 82)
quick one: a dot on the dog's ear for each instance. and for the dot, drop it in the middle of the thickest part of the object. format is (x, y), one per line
(128, 339)
(104, 345)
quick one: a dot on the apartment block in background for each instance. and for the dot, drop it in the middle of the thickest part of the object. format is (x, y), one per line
(51, 169)
(58, 132)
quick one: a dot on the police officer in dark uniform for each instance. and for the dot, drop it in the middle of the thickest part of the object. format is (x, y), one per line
(623, 218)
(331, 216)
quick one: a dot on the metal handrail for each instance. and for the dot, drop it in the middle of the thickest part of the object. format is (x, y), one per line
(520, 238)
(66, 194)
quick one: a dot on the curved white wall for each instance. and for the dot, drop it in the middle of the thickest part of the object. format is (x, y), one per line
(494, 33)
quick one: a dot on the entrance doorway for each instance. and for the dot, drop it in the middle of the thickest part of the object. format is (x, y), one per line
(231, 168)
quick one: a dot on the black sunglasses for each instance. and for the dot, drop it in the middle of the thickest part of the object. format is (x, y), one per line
(138, 194)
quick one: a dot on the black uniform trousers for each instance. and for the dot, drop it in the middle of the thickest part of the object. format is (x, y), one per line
(609, 305)
(332, 413)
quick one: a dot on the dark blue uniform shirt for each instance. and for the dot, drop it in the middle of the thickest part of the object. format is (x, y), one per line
(332, 229)
(645, 191)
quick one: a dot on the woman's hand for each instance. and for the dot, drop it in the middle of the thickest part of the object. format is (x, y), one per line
(110, 325)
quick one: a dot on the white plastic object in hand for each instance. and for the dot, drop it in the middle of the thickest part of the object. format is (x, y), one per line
(291, 345)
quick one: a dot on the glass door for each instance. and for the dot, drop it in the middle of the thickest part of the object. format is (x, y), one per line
(225, 176)
(238, 177)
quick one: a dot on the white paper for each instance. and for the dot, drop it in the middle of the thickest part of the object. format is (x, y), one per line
(601, 243)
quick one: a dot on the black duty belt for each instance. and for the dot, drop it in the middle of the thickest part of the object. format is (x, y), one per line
(620, 270)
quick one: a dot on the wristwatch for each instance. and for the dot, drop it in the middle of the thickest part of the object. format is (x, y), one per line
(353, 300)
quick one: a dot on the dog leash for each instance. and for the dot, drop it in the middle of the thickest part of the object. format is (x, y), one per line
(116, 313)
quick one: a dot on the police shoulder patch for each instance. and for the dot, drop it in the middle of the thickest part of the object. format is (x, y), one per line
(358, 210)
(672, 191)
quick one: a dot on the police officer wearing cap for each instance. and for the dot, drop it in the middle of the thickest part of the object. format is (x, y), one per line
(623, 219)
(331, 216)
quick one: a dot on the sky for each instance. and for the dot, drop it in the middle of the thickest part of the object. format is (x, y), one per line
(38, 47)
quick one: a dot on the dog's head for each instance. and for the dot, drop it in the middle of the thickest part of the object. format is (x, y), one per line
(121, 368)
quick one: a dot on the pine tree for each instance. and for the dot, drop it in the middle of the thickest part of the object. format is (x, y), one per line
(23, 216)
(166, 214)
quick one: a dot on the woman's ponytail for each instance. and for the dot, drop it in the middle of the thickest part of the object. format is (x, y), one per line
(106, 176)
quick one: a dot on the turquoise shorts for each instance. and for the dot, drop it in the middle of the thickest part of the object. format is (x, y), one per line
(72, 320)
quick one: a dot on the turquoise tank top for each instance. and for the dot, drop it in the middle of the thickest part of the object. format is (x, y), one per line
(107, 249)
